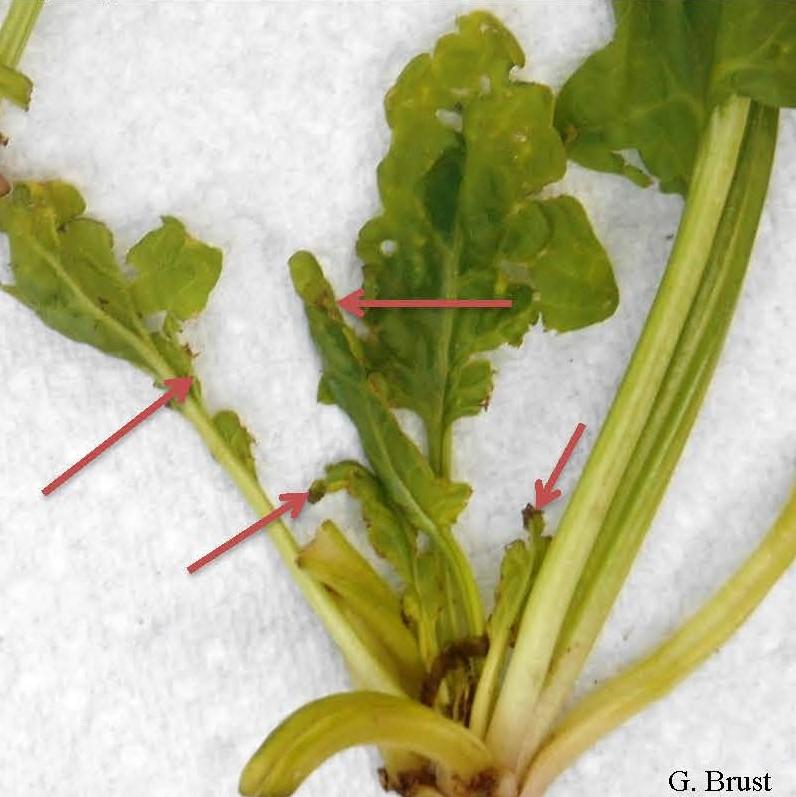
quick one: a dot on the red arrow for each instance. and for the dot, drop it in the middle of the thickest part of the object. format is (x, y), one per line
(354, 303)
(545, 493)
(177, 389)
(293, 502)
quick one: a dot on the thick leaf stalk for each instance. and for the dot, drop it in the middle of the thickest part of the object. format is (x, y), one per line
(666, 433)
(460, 762)
(17, 28)
(664, 668)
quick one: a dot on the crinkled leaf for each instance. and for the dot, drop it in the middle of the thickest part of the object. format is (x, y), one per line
(65, 271)
(470, 147)
(64, 268)
(175, 271)
(430, 503)
(336, 564)
(390, 535)
(652, 88)
(237, 437)
(325, 727)
(551, 246)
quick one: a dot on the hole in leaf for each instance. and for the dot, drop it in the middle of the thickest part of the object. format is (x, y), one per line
(450, 119)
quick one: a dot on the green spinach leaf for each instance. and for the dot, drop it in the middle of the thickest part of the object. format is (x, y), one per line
(65, 270)
(670, 63)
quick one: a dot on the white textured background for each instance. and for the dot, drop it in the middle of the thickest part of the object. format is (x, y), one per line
(260, 124)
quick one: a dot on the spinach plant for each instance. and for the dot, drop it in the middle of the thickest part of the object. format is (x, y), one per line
(461, 701)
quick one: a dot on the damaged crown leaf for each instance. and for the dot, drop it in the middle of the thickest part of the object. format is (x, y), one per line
(424, 501)
(429, 502)
(65, 270)
(521, 563)
(390, 535)
(237, 437)
(471, 146)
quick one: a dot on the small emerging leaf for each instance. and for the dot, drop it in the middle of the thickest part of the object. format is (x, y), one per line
(521, 563)
(424, 602)
(237, 437)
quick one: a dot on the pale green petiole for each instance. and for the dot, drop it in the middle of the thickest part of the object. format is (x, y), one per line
(368, 602)
(659, 672)
(327, 726)
(489, 682)
(676, 407)
(16, 29)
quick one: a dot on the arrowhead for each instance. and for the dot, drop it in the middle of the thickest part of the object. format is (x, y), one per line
(351, 303)
(179, 386)
(294, 501)
(545, 494)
